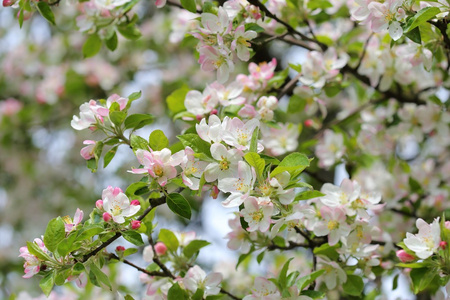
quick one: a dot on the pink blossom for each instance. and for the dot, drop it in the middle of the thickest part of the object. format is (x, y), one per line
(333, 224)
(192, 169)
(10, 107)
(88, 152)
(117, 205)
(239, 187)
(200, 104)
(196, 278)
(426, 241)
(263, 289)
(257, 216)
(239, 134)
(240, 42)
(71, 224)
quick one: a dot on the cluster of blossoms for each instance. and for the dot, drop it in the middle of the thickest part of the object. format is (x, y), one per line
(221, 41)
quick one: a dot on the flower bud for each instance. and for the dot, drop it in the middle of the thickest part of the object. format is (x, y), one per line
(106, 217)
(135, 224)
(99, 204)
(404, 256)
(214, 192)
(8, 3)
(26, 15)
(135, 202)
(214, 111)
(309, 123)
(120, 248)
(443, 244)
(160, 248)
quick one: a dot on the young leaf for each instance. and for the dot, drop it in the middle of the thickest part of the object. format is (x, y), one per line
(255, 161)
(99, 276)
(175, 101)
(177, 293)
(189, 5)
(169, 239)
(193, 247)
(133, 237)
(109, 156)
(112, 42)
(354, 285)
(196, 143)
(158, 140)
(254, 140)
(54, 234)
(421, 17)
(46, 284)
(138, 142)
(133, 188)
(179, 205)
(45, 10)
(294, 162)
(304, 281)
(308, 195)
(282, 278)
(117, 117)
(137, 121)
(92, 46)
(130, 32)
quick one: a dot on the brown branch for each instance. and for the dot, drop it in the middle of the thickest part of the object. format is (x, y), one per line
(175, 4)
(292, 245)
(289, 28)
(363, 54)
(289, 86)
(127, 262)
(153, 203)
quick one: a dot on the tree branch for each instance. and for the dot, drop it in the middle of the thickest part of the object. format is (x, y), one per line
(153, 203)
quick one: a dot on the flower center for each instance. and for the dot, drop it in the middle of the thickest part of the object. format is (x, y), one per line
(332, 225)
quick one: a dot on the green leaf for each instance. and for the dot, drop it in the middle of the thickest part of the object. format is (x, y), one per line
(65, 246)
(254, 140)
(321, 4)
(282, 278)
(117, 117)
(414, 35)
(92, 46)
(138, 142)
(327, 250)
(129, 251)
(169, 239)
(77, 269)
(89, 231)
(354, 285)
(304, 281)
(260, 257)
(296, 67)
(99, 276)
(198, 295)
(412, 265)
(255, 161)
(193, 247)
(34, 249)
(54, 234)
(134, 188)
(109, 156)
(46, 284)
(421, 17)
(296, 104)
(158, 140)
(130, 32)
(308, 195)
(137, 121)
(293, 163)
(179, 205)
(134, 96)
(177, 293)
(253, 26)
(313, 294)
(128, 297)
(45, 10)
(133, 237)
(112, 42)
(189, 5)
(196, 143)
(175, 101)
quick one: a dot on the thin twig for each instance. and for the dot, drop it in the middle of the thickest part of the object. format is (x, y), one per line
(289, 86)
(364, 51)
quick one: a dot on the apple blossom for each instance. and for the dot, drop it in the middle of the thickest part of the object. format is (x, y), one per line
(426, 242)
(257, 216)
(192, 169)
(196, 278)
(70, 224)
(333, 224)
(239, 134)
(117, 204)
(226, 165)
(330, 149)
(264, 289)
(386, 16)
(239, 187)
(88, 151)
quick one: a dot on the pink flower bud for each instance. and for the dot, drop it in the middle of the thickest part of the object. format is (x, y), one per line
(26, 15)
(447, 224)
(120, 248)
(106, 216)
(309, 123)
(135, 224)
(214, 111)
(443, 244)
(99, 204)
(135, 202)
(404, 256)
(8, 3)
(214, 192)
(160, 248)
